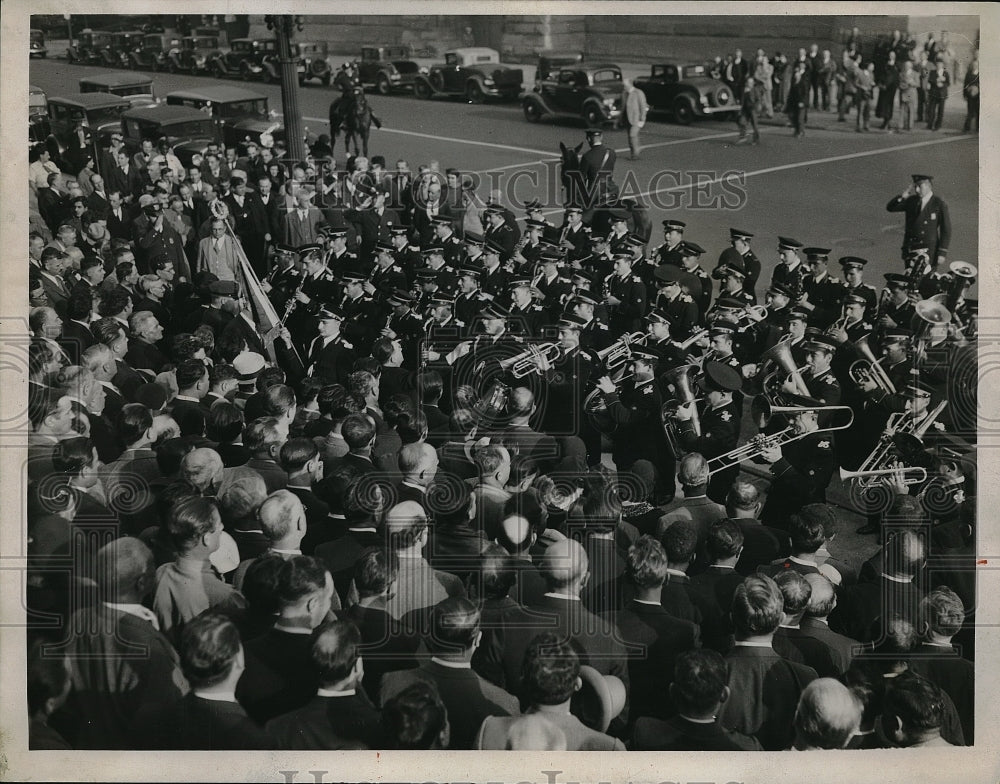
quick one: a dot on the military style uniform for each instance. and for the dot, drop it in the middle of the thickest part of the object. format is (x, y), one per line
(467, 307)
(901, 314)
(283, 283)
(579, 238)
(494, 283)
(362, 321)
(792, 278)
(825, 295)
(720, 430)
(447, 279)
(704, 299)
(683, 314)
(801, 477)
(572, 378)
(618, 243)
(596, 336)
(824, 387)
(409, 259)
(331, 362)
(387, 280)
(752, 266)
(409, 329)
(670, 255)
(322, 289)
(640, 435)
(870, 295)
(632, 293)
(556, 291)
(504, 236)
(345, 262)
(454, 249)
(528, 321)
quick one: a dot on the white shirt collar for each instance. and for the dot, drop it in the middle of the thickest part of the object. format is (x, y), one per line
(321, 692)
(221, 696)
(696, 721)
(751, 644)
(803, 561)
(465, 665)
(646, 601)
(676, 572)
(555, 595)
(137, 610)
(408, 483)
(897, 579)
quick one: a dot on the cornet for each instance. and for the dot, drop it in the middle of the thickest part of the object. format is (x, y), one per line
(530, 360)
(912, 475)
(752, 314)
(620, 352)
(686, 344)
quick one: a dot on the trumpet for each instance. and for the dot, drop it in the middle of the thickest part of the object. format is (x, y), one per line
(530, 360)
(869, 369)
(752, 314)
(684, 345)
(912, 475)
(761, 443)
(620, 352)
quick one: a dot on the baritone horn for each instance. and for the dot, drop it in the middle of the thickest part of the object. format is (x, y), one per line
(781, 355)
(866, 369)
(911, 475)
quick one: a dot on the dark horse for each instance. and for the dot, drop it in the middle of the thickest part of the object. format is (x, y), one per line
(596, 199)
(351, 114)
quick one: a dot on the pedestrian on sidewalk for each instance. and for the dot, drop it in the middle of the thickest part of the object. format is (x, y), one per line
(939, 80)
(798, 99)
(764, 76)
(865, 86)
(636, 109)
(970, 91)
(909, 85)
(750, 105)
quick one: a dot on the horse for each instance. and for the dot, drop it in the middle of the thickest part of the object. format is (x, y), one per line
(598, 200)
(352, 114)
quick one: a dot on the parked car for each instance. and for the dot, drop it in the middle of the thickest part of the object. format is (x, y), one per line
(250, 59)
(137, 89)
(88, 46)
(315, 61)
(36, 47)
(38, 114)
(239, 115)
(592, 93)
(153, 51)
(99, 113)
(388, 68)
(474, 72)
(119, 51)
(194, 53)
(550, 62)
(189, 131)
(686, 92)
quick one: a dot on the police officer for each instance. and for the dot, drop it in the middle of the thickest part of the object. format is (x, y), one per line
(625, 295)
(636, 410)
(854, 272)
(673, 236)
(790, 272)
(691, 253)
(679, 307)
(527, 317)
(363, 319)
(821, 291)
(716, 430)
(494, 280)
(470, 299)
(801, 470)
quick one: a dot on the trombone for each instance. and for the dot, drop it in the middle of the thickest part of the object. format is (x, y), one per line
(762, 442)
(869, 368)
(530, 360)
(863, 480)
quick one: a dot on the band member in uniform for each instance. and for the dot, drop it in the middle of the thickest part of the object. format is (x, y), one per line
(330, 358)
(434, 258)
(719, 419)
(595, 333)
(575, 233)
(338, 258)
(571, 379)
(896, 309)
(732, 277)
(406, 256)
(618, 238)
(740, 255)
(471, 300)
(625, 295)
(720, 345)
(284, 277)
(680, 307)
(802, 469)
(386, 277)
(821, 291)
(673, 236)
(554, 288)
(851, 325)
(601, 261)
(896, 363)
(363, 318)
(660, 342)
(318, 288)
(527, 317)
(528, 251)
(854, 272)
(451, 244)
(795, 327)
(818, 377)
(473, 250)
(636, 410)
(635, 246)
(790, 271)
(691, 253)
(406, 327)
(499, 232)
(535, 211)
(494, 280)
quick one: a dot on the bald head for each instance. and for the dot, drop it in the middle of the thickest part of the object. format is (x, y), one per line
(822, 598)
(125, 570)
(828, 715)
(282, 518)
(565, 567)
(406, 523)
(418, 462)
(521, 402)
(515, 534)
(201, 468)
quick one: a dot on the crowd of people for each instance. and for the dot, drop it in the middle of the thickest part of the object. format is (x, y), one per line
(895, 79)
(388, 517)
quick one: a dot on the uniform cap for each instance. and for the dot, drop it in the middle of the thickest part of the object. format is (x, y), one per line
(354, 277)
(674, 225)
(691, 249)
(733, 267)
(427, 274)
(817, 254)
(441, 220)
(720, 377)
(635, 241)
(780, 288)
(493, 209)
(739, 234)
(582, 298)
(384, 245)
(896, 279)
(919, 387)
(334, 231)
(820, 342)
(644, 354)
(495, 248)
(896, 335)
(800, 314)
(595, 130)
(667, 273)
(729, 303)
(495, 311)
(470, 272)
(582, 276)
(248, 365)
(442, 300)
(921, 177)
(430, 250)
(723, 327)
(398, 231)
(658, 316)
(531, 206)
(854, 299)
(573, 208)
(224, 288)
(474, 238)
(282, 248)
(328, 312)
(400, 297)
(852, 262)
(787, 243)
(306, 250)
(618, 215)
(571, 321)
(531, 223)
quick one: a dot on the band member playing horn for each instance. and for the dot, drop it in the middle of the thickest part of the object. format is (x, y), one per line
(527, 316)
(691, 253)
(801, 469)
(679, 307)
(732, 276)
(895, 309)
(897, 367)
(851, 325)
(660, 342)
(552, 285)
(572, 376)
(818, 376)
(821, 291)
(719, 419)
(673, 236)
(625, 295)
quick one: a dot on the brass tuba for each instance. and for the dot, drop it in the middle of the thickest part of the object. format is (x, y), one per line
(680, 379)
(781, 355)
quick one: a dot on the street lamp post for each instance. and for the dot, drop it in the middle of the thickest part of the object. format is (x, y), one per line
(284, 27)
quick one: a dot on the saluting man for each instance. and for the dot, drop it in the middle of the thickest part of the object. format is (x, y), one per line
(927, 219)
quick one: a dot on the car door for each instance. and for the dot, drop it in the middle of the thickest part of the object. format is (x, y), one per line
(572, 86)
(453, 73)
(368, 64)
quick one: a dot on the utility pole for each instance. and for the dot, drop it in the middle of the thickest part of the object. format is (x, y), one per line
(284, 27)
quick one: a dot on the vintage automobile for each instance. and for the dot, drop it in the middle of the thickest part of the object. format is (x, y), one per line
(550, 62)
(36, 47)
(188, 130)
(388, 68)
(239, 115)
(686, 92)
(194, 54)
(250, 59)
(135, 88)
(38, 114)
(475, 73)
(119, 51)
(152, 53)
(591, 92)
(99, 114)
(88, 46)
(315, 63)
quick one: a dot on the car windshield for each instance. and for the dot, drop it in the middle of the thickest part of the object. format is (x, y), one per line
(607, 75)
(187, 129)
(248, 108)
(133, 89)
(206, 43)
(108, 114)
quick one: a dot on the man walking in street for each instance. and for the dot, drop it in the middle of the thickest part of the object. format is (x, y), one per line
(636, 109)
(749, 108)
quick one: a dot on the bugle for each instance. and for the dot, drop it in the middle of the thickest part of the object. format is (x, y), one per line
(529, 361)
(910, 475)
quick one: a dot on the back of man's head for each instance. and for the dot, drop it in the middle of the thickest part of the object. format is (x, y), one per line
(210, 644)
(375, 571)
(241, 494)
(497, 571)
(416, 458)
(189, 521)
(550, 671)
(647, 563)
(795, 592)
(700, 679)
(406, 522)
(296, 454)
(358, 431)
(723, 541)
(822, 596)
(514, 534)
(335, 651)
(942, 612)
(301, 576)
(693, 470)
(564, 566)
(416, 718)
(680, 541)
(903, 554)
(913, 706)
(742, 499)
(807, 533)
(757, 606)
(279, 514)
(521, 401)
(828, 715)
(454, 625)
(121, 563)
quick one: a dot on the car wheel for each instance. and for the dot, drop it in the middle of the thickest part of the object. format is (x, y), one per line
(531, 112)
(474, 92)
(683, 110)
(593, 116)
(422, 90)
(382, 85)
